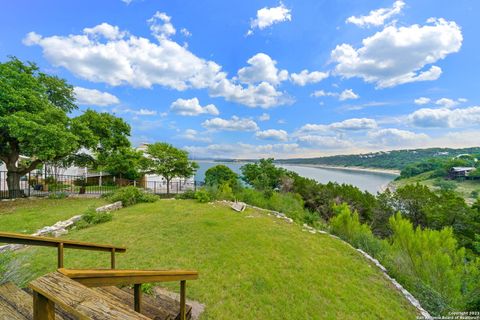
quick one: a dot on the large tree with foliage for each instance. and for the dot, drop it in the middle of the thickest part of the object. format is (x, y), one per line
(221, 174)
(35, 126)
(263, 175)
(123, 162)
(169, 162)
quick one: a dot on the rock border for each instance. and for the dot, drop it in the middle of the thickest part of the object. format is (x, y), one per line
(413, 301)
(61, 227)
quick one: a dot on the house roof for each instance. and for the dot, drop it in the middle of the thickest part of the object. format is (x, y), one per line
(457, 169)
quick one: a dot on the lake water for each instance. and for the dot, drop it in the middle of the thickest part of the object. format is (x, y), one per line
(364, 180)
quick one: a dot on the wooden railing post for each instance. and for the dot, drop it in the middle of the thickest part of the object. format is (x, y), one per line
(60, 255)
(43, 309)
(183, 315)
(137, 296)
(112, 258)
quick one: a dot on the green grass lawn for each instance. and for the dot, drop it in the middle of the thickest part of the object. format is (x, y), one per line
(29, 215)
(251, 266)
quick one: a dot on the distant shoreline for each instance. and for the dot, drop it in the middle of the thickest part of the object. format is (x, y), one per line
(324, 166)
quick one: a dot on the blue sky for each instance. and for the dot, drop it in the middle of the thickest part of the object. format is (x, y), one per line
(251, 79)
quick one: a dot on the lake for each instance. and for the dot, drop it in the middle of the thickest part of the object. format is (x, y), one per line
(364, 180)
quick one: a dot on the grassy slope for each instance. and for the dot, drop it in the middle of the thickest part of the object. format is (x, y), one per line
(465, 188)
(252, 266)
(27, 216)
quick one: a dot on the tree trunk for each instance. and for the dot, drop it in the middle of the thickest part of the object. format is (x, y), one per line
(13, 183)
(168, 186)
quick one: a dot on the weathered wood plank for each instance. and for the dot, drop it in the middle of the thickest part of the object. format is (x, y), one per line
(81, 301)
(9, 237)
(99, 278)
(150, 307)
(7, 312)
(43, 308)
(17, 298)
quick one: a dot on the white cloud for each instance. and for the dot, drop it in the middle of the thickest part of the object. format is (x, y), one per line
(322, 93)
(262, 68)
(306, 77)
(107, 31)
(185, 32)
(192, 107)
(160, 26)
(194, 135)
(146, 112)
(328, 142)
(348, 94)
(354, 124)
(127, 2)
(233, 124)
(272, 134)
(94, 97)
(377, 17)
(396, 56)
(446, 102)
(446, 118)
(422, 100)
(263, 95)
(393, 136)
(106, 54)
(269, 16)
(243, 150)
(264, 117)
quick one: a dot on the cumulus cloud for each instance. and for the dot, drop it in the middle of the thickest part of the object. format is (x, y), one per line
(194, 135)
(106, 54)
(243, 150)
(146, 112)
(347, 95)
(446, 118)
(398, 55)
(263, 95)
(160, 26)
(272, 134)
(269, 16)
(322, 93)
(446, 102)
(354, 124)
(262, 69)
(233, 124)
(377, 17)
(328, 142)
(192, 107)
(422, 100)
(264, 117)
(397, 137)
(93, 97)
(306, 77)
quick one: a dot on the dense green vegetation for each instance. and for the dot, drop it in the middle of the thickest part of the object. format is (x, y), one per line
(396, 159)
(410, 230)
(251, 266)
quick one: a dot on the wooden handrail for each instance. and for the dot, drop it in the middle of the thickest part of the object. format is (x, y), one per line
(99, 278)
(60, 244)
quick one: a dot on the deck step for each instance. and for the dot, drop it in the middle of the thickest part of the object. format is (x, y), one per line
(21, 301)
(159, 308)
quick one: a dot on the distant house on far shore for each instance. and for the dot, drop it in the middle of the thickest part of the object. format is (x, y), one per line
(460, 172)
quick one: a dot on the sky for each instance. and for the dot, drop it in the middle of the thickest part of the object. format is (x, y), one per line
(248, 79)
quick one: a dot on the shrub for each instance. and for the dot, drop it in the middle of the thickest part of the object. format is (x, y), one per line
(57, 195)
(203, 196)
(430, 257)
(189, 194)
(91, 217)
(445, 184)
(131, 195)
(348, 227)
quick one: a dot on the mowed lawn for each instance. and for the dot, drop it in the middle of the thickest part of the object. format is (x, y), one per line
(29, 215)
(252, 266)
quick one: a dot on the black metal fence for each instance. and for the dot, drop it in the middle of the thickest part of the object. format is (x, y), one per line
(40, 184)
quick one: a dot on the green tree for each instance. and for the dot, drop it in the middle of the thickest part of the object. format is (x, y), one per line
(34, 122)
(169, 162)
(219, 175)
(263, 175)
(123, 162)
